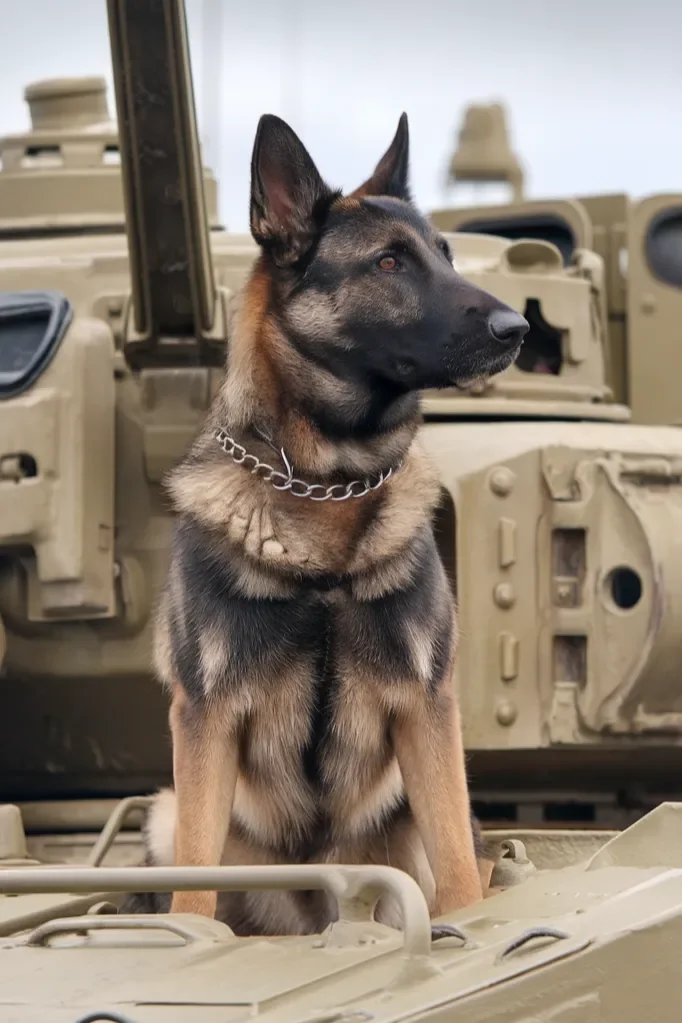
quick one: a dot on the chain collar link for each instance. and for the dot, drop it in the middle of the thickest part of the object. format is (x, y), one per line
(287, 480)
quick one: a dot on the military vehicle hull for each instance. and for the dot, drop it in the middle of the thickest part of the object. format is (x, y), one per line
(578, 939)
(557, 527)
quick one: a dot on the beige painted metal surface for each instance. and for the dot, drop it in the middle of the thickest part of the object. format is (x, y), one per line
(568, 582)
(640, 244)
(593, 941)
(654, 307)
(484, 152)
(64, 174)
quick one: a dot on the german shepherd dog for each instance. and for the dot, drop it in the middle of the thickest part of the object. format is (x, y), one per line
(307, 631)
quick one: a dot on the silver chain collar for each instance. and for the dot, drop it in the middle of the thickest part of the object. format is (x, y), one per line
(287, 480)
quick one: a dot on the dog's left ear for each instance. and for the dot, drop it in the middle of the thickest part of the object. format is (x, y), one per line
(391, 174)
(288, 197)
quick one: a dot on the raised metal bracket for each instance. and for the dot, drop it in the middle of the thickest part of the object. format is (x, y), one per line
(357, 889)
(188, 929)
(529, 935)
(114, 825)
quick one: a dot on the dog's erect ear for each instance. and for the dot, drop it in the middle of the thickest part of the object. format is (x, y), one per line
(391, 174)
(288, 196)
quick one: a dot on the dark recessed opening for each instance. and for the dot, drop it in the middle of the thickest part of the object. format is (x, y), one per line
(569, 655)
(27, 466)
(494, 811)
(663, 247)
(42, 151)
(544, 227)
(569, 812)
(625, 587)
(42, 156)
(541, 350)
(32, 325)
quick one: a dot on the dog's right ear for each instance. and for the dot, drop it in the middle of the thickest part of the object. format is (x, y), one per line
(288, 197)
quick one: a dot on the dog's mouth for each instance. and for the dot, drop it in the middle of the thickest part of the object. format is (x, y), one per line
(465, 374)
(492, 368)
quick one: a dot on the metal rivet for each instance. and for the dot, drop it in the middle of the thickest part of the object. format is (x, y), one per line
(506, 713)
(648, 303)
(502, 481)
(504, 595)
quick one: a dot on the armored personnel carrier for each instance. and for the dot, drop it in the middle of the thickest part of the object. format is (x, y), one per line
(637, 288)
(555, 523)
(558, 527)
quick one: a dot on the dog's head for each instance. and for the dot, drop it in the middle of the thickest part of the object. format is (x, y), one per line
(364, 285)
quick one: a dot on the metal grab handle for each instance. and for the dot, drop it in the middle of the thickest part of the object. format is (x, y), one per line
(356, 888)
(74, 924)
(526, 936)
(114, 825)
(440, 931)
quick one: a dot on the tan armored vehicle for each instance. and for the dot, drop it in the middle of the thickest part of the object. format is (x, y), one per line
(640, 243)
(558, 522)
(589, 590)
(558, 527)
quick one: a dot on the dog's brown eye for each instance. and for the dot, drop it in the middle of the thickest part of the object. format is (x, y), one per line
(388, 263)
(445, 249)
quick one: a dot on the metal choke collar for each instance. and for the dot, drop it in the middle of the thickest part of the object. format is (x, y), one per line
(287, 480)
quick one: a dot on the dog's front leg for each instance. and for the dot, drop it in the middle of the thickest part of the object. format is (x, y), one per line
(205, 763)
(430, 752)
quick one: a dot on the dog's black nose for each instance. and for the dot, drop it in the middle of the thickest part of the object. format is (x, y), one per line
(507, 326)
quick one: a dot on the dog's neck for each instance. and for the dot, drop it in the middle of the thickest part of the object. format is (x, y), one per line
(274, 397)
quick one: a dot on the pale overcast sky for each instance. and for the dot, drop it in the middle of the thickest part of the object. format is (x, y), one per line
(594, 87)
